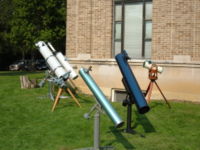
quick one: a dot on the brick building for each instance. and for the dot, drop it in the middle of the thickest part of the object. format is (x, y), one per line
(166, 32)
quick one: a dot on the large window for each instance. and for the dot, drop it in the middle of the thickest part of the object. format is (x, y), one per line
(137, 28)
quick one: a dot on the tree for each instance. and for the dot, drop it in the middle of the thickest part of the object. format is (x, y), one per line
(35, 20)
(5, 11)
(6, 52)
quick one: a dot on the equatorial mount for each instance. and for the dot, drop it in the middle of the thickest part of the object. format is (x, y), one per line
(98, 111)
(153, 76)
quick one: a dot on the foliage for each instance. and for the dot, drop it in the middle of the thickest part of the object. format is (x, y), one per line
(27, 122)
(6, 8)
(31, 21)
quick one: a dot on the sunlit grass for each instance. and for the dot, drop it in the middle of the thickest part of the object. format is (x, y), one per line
(27, 123)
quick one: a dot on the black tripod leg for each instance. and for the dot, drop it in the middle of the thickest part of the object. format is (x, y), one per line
(163, 95)
(129, 118)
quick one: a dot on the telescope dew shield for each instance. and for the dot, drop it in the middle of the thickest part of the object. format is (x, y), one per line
(100, 97)
(51, 60)
(130, 83)
(66, 65)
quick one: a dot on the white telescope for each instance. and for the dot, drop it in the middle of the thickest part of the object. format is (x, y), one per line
(51, 60)
(62, 59)
(149, 65)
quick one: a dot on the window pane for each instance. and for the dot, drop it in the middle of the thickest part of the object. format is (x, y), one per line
(148, 25)
(117, 31)
(133, 29)
(148, 14)
(118, 0)
(117, 47)
(148, 49)
(118, 12)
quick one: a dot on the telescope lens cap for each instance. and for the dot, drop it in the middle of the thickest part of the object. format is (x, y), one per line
(120, 124)
(144, 110)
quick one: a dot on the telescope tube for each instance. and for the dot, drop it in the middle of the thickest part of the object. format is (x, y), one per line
(148, 64)
(100, 97)
(66, 65)
(51, 60)
(61, 58)
(130, 83)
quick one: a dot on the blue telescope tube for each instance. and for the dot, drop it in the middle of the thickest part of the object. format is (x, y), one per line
(130, 83)
(100, 97)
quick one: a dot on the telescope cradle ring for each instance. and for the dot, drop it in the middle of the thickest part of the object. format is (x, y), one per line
(57, 68)
(49, 57)
(54, 70)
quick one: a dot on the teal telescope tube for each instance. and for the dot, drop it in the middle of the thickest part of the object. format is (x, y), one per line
(100, 97)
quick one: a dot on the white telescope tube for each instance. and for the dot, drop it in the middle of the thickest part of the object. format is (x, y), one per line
(148, 65)
(61, 58)
(51, 60)
(66, 65)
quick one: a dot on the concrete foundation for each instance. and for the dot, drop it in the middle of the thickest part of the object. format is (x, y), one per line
(179, 81)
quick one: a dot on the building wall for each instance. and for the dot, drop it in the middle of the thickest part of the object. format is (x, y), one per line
(176, 30)
(178, 81)
(89, 28)
(175, 46)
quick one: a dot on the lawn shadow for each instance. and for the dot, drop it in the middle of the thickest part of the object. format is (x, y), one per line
(63, 103)
(157, 104)
(85, 99)
(120, 139)
(145, 122)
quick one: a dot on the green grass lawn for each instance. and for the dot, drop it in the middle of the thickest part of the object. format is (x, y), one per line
(27, 123)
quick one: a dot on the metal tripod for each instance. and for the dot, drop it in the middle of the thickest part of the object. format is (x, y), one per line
(96, 138)
(127, 102)
(153, 76)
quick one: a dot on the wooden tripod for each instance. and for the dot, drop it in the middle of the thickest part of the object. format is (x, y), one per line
(60, 91)
(153, 76)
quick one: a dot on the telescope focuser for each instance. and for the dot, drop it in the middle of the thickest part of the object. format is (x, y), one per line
(126, 55)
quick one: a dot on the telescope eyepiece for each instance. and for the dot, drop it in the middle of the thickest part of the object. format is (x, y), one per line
(125, 54)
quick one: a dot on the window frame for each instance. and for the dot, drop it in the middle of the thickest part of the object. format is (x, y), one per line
(144, 39)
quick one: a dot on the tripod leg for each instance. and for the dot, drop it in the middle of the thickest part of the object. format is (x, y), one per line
(163, 95)
(60, 90)
(129, 120)
(149, 91)
(72, 84)
(74, 98)
(97, 130)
